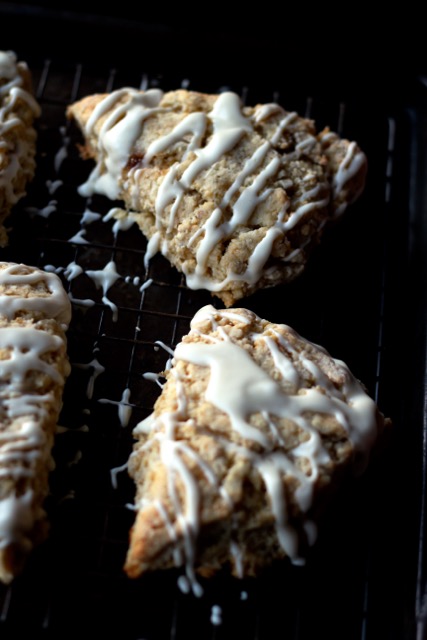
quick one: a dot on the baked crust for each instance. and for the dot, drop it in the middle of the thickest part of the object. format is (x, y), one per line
(235, 197)
(253, 430)
(18, 110)
(34, 314)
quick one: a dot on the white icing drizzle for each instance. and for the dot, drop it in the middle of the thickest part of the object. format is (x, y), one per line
(352, 162)
(105, 278)
(53, 186)
(55, 305)
(21, 448)
(289, 117)
(264, 111)
(23, 411)
(117, 136)
(16, 520)
(229, 126)
(194, 124)
(236, 554)
(60, 156)
(114, 472)
(125, 112)
(43, 212)
(164, 346)
(124, 408)
(216, 615)
(11, 92)
(183, 584)
(50, 268)
(9, 70)
(146, 284)
(27, 346)
(239, 388)
(153, 246)
(120, 224)
(85, 302)
(89, 216)
(61, 429)
(154, 377)
(62, 152)
(79, 238)
(97, 369)
(72, 270)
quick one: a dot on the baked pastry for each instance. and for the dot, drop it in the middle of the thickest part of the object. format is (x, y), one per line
(18, 109)
(254, 429)
(34, 313)
(235, 197)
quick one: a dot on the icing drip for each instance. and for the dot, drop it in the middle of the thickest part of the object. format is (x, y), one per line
(89, 216)
(121, 224)
(97, 370)
(78, 238)
(240, 388)
(105, 278)
(124, 408)
(216, 615)
(114, 472)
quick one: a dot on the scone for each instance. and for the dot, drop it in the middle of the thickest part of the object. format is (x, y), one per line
(34, 314)
(235, 197)
(18, 109)
(253, 431)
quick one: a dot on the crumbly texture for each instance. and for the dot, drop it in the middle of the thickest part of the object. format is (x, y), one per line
(23, 290)
(30, 402)
(290, 206)
(17, 137)
(235, 523)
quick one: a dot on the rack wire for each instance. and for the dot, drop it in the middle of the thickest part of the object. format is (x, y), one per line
(361, 569)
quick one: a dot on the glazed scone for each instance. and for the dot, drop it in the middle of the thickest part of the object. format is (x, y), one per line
(235, 197)
(18, 110)
(34, 313)
(254, 429)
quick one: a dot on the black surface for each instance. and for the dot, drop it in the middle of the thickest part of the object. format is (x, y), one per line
(319, 49)
(362, 297)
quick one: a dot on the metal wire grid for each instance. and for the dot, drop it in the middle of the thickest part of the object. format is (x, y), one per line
(81, 564)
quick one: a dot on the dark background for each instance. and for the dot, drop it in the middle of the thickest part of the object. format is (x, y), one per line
(354, 52)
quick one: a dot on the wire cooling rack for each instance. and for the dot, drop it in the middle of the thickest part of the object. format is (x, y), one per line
(360, 577)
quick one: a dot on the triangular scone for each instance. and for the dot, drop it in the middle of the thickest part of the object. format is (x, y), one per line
(235, 197)
(34, 314)
(18, 109)
(253, 428)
